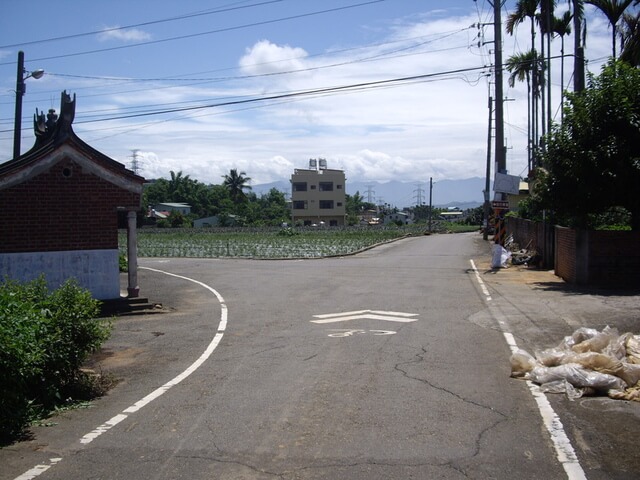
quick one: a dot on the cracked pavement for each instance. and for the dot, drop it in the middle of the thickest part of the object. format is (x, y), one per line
(282, 398)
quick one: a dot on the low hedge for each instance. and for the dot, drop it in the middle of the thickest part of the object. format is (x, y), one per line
(45, 336)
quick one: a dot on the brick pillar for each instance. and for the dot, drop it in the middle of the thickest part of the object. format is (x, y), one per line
(132, 255)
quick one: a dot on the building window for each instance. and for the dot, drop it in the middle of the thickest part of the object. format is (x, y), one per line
(299, 186)
(333, 223)
(326, 204)
(313, 187)
(338, 187)
(300, 205)
(339, 204)
(326, 186)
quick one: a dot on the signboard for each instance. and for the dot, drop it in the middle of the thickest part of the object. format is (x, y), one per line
(504, 183)
(500, 205)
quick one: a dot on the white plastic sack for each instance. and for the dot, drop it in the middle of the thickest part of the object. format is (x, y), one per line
(521, 363)
(576, 376)
(500, 256)
(562, 386)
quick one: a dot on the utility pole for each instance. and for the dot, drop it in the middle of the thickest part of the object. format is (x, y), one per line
(430, 201)
(487, 183)
(21, 76)
(20, 88)
(501, 152)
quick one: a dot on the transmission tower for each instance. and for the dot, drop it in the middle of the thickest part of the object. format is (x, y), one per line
(419, 191)
(135, 162)
(370, 194)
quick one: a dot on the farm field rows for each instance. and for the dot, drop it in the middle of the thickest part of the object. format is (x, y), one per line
(206, 243)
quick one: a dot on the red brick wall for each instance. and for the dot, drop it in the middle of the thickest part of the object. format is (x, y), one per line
(565, 254)
(614, 258)
(603, 258)
(57, 212)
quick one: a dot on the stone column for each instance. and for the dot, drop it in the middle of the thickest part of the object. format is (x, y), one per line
(132, 255)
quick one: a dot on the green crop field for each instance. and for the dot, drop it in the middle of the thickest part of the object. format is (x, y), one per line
(210, 243)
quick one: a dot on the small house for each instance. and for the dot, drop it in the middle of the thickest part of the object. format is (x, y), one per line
(61, 202)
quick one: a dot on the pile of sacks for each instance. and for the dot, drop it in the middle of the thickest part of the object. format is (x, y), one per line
(588, 362)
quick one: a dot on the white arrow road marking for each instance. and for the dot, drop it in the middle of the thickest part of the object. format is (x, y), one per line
(341, 333)
(401, 317)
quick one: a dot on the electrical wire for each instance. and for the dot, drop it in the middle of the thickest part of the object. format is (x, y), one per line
(200, 34)
(136, 25)
(439, 76)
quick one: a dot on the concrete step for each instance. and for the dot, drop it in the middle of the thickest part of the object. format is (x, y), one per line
(129, 306)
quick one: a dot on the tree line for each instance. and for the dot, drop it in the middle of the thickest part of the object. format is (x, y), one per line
(584, 167)
(232, 200)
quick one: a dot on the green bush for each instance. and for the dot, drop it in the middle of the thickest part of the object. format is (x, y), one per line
(44, 339)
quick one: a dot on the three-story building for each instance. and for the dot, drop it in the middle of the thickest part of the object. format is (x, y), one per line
(318, 195)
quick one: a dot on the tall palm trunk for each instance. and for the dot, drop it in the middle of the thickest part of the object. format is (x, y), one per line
(561, 79)
(578, 52)
(534, 101)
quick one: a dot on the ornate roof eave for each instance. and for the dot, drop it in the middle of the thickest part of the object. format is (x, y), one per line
(55, 138)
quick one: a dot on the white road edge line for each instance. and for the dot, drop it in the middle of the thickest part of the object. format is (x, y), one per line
(564, 450)
(92, 435)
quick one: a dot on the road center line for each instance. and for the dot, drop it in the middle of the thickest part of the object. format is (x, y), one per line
(95, 433)
(564, 450)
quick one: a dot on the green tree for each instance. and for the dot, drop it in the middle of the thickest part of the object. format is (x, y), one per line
(273, 207)
(527, 67)
(562, 28)
(630, 35)
(613, 10)
(593, 160)
(236, 183)
(527, 10)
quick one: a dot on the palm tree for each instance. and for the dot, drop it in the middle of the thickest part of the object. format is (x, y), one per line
(579, 31)
(630, 33)
(545, 19)
(562, 27)
(178, 186)
(236, 183)
(526, 9)
(527, 67)
(613, 10)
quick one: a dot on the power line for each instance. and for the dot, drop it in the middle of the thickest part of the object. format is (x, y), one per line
(135, 25)
(324, 90)
(199, 34)
(394, 82)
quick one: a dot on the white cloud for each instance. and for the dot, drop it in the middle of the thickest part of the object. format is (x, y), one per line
(125, 35)
(265, 57)
(433, 128)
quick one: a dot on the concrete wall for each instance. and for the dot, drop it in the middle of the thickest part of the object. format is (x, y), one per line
(95, 270)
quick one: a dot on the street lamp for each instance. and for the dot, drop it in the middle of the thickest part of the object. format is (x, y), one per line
(21, 76)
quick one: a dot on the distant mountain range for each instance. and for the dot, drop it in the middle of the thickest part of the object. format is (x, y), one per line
(463, 194)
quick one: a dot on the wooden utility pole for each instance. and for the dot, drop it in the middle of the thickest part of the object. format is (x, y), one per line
(487, 184)
(501, 151)
(430, 201)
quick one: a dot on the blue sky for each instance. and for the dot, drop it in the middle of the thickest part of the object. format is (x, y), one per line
(227, 56)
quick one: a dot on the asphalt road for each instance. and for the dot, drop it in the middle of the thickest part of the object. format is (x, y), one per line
(289, 389)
